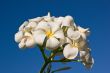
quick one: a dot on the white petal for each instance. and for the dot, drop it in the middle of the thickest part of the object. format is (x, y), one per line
(75, 35)
(22, 43)
(44, 26)
(39, 37)
(48, 18)
(54, 26)
(27, 34)
(70, 52)
(59, 20)
(18, 36)
(82, 29)
(38, 19)
(30, 42)
(68, 41)
(59, 34)
(32, 25)
(84, 32)
(82, 53)
(67, 21)
(23, 25)
(52, 43)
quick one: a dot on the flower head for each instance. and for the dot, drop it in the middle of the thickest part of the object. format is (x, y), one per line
(56, 32)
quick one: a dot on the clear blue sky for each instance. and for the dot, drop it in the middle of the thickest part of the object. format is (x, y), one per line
(87, 13)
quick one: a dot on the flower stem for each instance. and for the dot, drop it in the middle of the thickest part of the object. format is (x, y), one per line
(43, 53)
(43, 67)
(62, 60)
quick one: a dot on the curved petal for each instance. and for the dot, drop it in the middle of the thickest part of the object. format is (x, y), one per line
(70, 52)
(59, 20)
(18, 36)
(44, 26)
(30, 42)
(48, 18)
(39, 37)
(84, 32)
(54, 26)
(59, 34)
(82, 29)
(22, 43)
(68, 40)
(52, 43)
(75, 35)
(23, 25)
(83, 35)
(67, 21)
(32, 25)
(38, 19)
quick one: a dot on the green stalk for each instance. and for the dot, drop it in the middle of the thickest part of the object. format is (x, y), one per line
(43, 53)
(62, 60)
(43, 67)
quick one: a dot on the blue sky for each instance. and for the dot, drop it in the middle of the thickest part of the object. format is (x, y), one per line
(94, 14)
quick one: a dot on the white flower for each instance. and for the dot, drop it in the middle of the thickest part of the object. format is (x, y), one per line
(86, 58)
(24, 39)
(52, 32)
(24, 35)
(74, 43)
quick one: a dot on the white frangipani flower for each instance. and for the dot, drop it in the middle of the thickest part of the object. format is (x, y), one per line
(27, 41)
(74, 40)
(24, 35)
(50, 31)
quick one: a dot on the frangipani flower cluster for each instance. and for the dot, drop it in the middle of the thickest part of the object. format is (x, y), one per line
(53, 33)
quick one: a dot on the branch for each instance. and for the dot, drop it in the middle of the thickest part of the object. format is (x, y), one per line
(43, 53)
(65, 60)
(43, 67)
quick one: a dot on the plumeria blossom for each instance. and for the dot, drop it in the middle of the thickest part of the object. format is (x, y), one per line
(76, 43)
(54, 33)
(24, 35)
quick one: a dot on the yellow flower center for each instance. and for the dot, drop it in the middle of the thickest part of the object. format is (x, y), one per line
(49, 34)
(75, 45)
